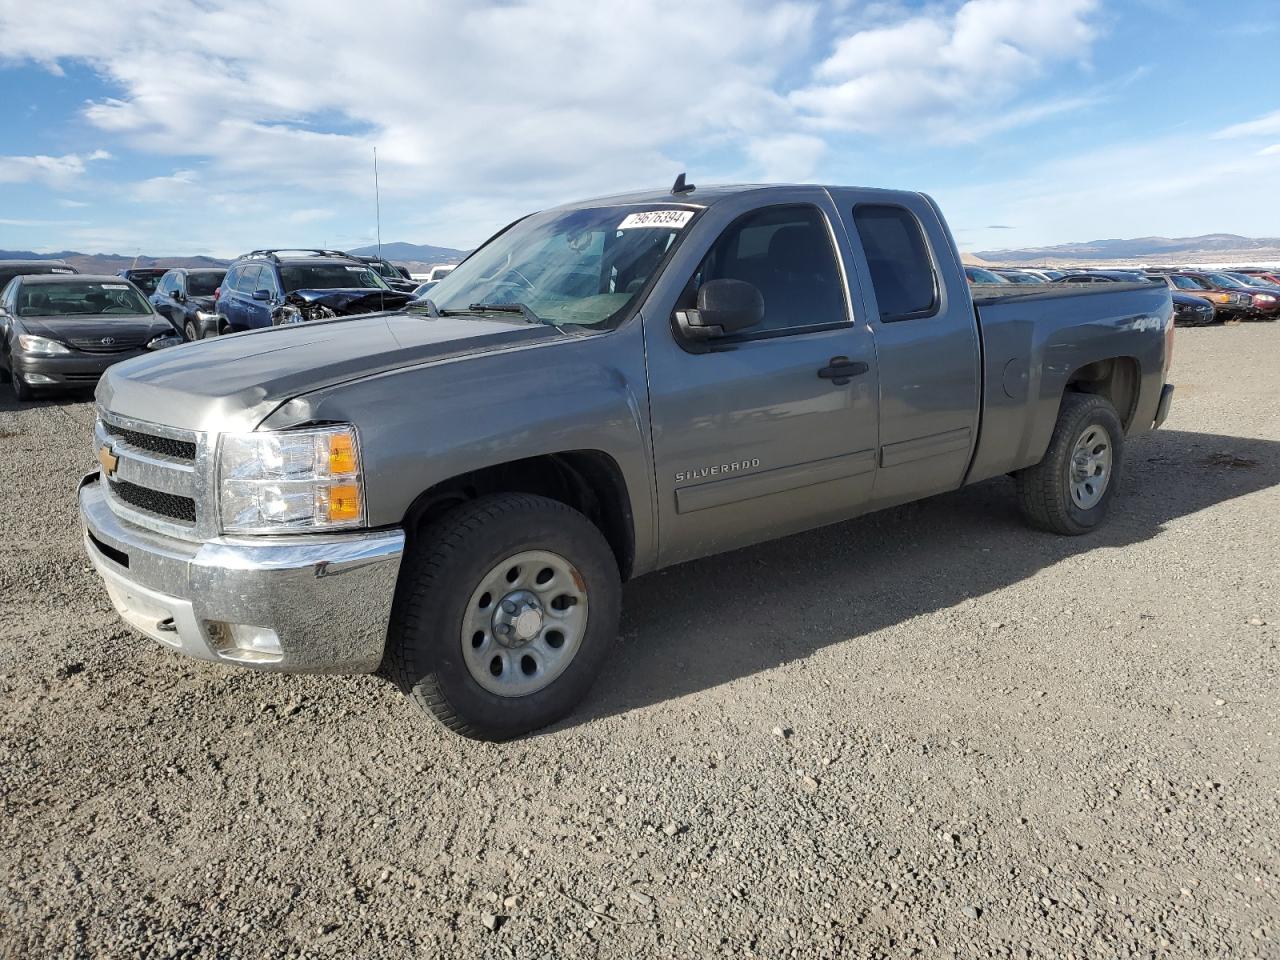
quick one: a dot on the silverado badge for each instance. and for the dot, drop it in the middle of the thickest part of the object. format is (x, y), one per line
(108, 459)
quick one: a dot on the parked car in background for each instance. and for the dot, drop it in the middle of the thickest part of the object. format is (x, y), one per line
(1190, 311)
(440, 271)
(60, 331)
(1226, 306)
(979, 275)
(457, 501)
(1266, 295)
(30, 268)
(186, 297)
(1237, 301)
(422, 289)
(397, 278)
(144, 278)
(1269, 276)
(272, 287)
(1017, 276)
(1045, 274)
(1103, 276)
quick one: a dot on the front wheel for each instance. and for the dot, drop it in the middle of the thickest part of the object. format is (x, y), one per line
(189, 328)
(1070, 490)
(506, 612)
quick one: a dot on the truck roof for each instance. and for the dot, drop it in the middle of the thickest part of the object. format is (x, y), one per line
(707, 196)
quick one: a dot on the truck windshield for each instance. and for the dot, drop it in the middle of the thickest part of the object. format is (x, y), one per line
(583, 266)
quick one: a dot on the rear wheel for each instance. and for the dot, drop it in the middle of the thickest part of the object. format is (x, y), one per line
(506, 612)
(1070, 490)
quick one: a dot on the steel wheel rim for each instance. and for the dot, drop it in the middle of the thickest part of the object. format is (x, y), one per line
(524, 623)
(1089, 469)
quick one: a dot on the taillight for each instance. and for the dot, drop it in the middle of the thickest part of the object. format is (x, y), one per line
(217, 292)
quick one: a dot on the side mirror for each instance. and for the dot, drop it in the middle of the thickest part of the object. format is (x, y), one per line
(179, 296)
(262, 294)
(725, 307)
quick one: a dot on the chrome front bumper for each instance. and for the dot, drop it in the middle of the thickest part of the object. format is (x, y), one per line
(300, 604)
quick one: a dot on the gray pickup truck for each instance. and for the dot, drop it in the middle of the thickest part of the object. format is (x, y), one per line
(452, 494)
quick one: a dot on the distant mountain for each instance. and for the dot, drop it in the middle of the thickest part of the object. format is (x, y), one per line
(1219, 245)
(111, 262)
(413, 252)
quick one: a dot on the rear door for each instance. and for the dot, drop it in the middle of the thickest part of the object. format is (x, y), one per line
(926, 337)
(753, 438)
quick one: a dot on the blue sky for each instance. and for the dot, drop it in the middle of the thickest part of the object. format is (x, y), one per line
(207, 126)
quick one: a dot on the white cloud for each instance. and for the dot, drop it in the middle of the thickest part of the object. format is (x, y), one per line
(935, 72)
(487, 104)
(1266, 126)
(54, 171)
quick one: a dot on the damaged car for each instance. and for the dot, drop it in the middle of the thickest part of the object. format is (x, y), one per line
(268, 288)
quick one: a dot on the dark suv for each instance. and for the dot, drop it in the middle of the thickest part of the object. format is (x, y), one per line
(144, 278)
(266, 288)
(186, 297)
(397, 277)
(30, 268)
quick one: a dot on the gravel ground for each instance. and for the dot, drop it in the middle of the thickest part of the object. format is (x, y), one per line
(933, 733)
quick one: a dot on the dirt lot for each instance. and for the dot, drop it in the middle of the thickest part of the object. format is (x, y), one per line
(934, 733)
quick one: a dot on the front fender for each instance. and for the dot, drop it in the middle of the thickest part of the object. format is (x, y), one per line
(422, 425)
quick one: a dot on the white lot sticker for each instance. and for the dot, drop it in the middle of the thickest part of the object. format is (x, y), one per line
(115, 286)
(671, 219)
(61, 270)
(357, 269)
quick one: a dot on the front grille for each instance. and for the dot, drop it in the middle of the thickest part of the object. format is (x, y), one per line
(166, 447)
(171, 506)
(119, 344)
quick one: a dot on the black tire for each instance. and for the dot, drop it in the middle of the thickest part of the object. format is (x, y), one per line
(440, 574)
(20, 390)
(190, 331)
(1044, 491)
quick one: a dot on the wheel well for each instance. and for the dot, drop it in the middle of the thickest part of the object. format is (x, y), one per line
(1116, 379)
(590, 481)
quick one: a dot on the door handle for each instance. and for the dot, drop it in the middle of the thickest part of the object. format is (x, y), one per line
(841, 370)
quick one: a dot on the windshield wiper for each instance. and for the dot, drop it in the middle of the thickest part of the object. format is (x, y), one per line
(519, 308)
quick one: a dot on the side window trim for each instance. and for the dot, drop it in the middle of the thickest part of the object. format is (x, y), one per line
(836, 260)
(935, 305)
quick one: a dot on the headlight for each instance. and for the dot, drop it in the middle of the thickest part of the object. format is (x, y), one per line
(1264, 298)
(164, 340)
(40, 346)
(291, 480)
(204, 316)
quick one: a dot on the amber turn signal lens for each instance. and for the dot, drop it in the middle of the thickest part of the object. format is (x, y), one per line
(342, 455)
(344, 503)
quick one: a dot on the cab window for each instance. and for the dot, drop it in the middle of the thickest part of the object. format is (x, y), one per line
(787, 254)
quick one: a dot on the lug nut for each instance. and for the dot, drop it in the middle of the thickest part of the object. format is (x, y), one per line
(509, 606)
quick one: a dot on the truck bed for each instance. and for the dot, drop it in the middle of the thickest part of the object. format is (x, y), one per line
(989, 293)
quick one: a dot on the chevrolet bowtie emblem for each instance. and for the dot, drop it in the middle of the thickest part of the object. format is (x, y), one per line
(108, 459)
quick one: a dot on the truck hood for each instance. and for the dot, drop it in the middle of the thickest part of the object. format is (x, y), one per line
(234, 382)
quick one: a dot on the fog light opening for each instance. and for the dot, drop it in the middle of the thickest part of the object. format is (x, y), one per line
(37, 378)
(243, 642)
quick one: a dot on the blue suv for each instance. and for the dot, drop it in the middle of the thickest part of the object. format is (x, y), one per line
(267, 288)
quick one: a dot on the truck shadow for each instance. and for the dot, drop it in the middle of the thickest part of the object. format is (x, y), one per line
(711, 621)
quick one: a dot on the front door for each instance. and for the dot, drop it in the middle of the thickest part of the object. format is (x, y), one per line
(757, 437)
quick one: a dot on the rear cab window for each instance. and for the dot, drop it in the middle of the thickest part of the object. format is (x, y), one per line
(902, 272)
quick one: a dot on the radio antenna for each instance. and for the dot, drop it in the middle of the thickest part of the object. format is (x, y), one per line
(377, 200)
